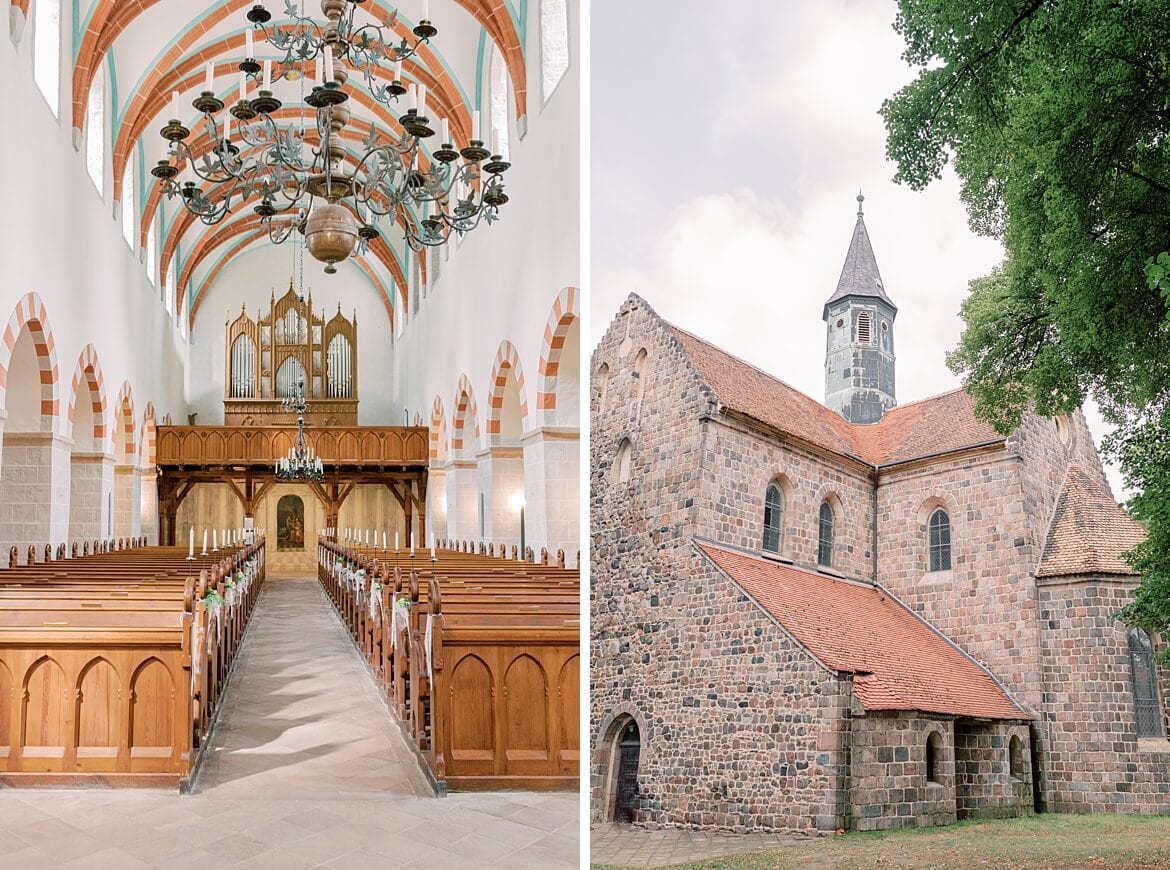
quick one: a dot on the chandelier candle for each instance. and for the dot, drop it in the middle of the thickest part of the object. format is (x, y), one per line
(268, 75)
(209, 83)
(175, 105)
(249, 50)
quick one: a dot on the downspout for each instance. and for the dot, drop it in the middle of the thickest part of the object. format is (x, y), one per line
(873, 527)
(845, 801)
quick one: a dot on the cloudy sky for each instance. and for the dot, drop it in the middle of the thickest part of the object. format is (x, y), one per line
(729, 142)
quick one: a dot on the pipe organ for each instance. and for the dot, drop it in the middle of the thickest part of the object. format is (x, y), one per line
(267, 356)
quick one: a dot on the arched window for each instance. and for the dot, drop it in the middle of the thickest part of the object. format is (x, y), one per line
(498, 96)
(152, 251)
(47, 50)
(773, 517)
(95, 129)
(940, 541)
(864, 328)
(1016, 764)
(554, 44)
(640, 375)
(1145, 684)
(825, 535)
(602, 386)
(128, 202)
(621, 463)
(933, 756)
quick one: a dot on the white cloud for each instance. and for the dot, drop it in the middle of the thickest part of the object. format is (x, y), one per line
(744, 244)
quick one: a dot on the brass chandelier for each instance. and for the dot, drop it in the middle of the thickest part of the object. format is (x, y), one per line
(301, 463)
(333, 196)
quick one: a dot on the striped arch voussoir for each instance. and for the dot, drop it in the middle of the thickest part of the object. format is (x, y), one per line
(148, 437)
(88, 374)
(465, 414)
(438, 431)
(565, 310)
(507, 363)
(30, 313)
(124, 428)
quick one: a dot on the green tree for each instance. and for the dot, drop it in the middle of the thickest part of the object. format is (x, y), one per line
(1056, 117)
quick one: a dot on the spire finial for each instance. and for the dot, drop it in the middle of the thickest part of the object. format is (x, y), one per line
(860, 200)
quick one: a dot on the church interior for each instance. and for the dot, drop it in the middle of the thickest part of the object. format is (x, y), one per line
(292, 293)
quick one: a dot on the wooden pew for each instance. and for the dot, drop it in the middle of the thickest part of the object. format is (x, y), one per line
(481, 667)
(111, 665)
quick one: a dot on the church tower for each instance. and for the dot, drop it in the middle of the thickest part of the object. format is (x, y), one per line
(859, 356)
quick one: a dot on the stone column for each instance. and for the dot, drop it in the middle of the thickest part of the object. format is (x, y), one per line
(34, 490)
(148, 505)
(500, 475)
(462, 500)
(90, 486)
(127, 501)
(552, 490)
(437, 500)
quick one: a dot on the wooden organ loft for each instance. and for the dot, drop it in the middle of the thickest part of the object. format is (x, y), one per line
(266, 357)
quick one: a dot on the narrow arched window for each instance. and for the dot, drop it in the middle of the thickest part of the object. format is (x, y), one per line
(773, 518)
(47, 50)
(602, 386)
(622, 461)
(864, 328)
(152, 251)
(554, 44)
(128, 210)
(825, 535)
(95, 129)
(640, 375)
(940, 541)
(933, 756)
(1016, 764)
(1145, 684)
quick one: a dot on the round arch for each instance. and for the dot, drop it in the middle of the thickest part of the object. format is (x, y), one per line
(559, 387)
(508, 403)
(30, 315)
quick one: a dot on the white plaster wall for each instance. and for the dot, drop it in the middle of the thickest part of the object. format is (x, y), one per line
(60, 240)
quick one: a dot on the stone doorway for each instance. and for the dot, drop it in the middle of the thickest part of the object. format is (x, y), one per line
(629, 749)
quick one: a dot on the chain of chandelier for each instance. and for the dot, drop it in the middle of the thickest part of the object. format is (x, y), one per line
(332, 197)
(301, 463)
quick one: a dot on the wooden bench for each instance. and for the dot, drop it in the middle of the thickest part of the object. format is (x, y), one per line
(112, 665)
(481, 668)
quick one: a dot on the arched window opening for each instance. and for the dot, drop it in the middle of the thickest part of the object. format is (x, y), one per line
(773, 518)
(47, 50)
(622, 461)
(602, 386)
(640, 375)
(498, 91)
(554, 44)
(1144, 678)
(95, 130)
(864, 328)
(825, 535)
(1016, 758)
(128, 202)
(940, 541)
(933, 757)
(152, 251)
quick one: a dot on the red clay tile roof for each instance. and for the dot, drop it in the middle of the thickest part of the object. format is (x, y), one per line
(935, 425)
(1089, 530)
(860, 628)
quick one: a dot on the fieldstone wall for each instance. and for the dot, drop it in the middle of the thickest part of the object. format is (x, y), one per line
(984, 784)
(889, 788)
(1094, 760)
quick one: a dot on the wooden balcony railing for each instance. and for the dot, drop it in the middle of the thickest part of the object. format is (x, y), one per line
(367, 447)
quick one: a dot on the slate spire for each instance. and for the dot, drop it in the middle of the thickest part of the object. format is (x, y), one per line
(860, 275)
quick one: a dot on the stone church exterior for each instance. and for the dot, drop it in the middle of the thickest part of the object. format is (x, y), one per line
(855, 614)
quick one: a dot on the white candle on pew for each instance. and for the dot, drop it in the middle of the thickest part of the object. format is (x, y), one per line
(205, 541)
(412, 543)
(432, 552)
(383, 540)
(396, 540)
(191, 544)
(214, 542)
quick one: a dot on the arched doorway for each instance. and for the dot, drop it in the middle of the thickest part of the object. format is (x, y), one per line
(629, 750)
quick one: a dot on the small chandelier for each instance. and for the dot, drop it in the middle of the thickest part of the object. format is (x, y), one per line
(301, 463)
(332, 196)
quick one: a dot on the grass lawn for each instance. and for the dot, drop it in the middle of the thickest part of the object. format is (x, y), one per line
(1047, 841)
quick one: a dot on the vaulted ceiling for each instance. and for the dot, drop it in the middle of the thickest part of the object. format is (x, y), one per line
(149, 48)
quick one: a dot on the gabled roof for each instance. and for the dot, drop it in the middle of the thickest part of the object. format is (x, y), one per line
(900, 662)
(860, 275)
(936, 425)
(1089, 530)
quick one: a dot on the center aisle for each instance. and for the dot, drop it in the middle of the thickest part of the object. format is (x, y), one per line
(306, 769)
(302, 715)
